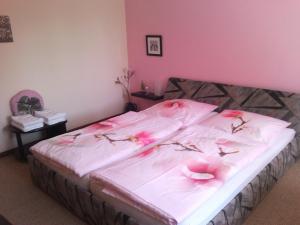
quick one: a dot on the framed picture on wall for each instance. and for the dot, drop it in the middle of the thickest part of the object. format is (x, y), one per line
(5, 29)
(154, 45)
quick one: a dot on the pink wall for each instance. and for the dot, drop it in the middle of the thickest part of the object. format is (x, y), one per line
(251, 43)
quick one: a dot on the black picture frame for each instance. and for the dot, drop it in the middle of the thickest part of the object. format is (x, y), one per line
(154, 45)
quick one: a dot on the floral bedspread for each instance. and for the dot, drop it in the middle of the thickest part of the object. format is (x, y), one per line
(191, 167)
(98, 145)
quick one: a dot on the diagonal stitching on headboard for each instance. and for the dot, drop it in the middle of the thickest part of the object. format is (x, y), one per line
(177, 82)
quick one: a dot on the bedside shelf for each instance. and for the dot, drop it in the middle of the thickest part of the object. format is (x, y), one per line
(47, 131)
(150, 95)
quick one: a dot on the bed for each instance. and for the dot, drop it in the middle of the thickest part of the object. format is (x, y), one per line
(233, 210)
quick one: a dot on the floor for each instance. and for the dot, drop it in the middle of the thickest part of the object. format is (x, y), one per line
(24, 204)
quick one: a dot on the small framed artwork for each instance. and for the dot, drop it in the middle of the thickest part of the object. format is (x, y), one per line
(5, 29)
(154, 45)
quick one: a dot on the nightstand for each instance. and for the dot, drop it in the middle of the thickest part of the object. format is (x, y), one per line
(149, 95)
(47, 131)
(145, 100)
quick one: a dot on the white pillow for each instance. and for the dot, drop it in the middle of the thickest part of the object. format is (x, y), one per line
(184, 110)
(253, 126)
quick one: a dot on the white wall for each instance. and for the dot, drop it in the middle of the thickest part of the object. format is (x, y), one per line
(70, 51)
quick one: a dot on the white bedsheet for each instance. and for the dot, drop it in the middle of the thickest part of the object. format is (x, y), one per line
(223, 196)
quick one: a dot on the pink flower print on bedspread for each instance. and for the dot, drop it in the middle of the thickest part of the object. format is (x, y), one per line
(235, 114)
(80, 139)
(171, 108)
(238, 154)
(102, 126)
(70, 139)
(67, 139)
(178, 146)
(206, 171)
(227, 147)
(175, 145)
(142, 138)
(174, 104)
(147, 152)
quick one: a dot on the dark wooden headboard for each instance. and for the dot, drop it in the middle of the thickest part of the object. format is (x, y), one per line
(282, 105)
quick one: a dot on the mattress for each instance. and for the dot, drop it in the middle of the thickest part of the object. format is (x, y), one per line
(222, 197)
(83, 181)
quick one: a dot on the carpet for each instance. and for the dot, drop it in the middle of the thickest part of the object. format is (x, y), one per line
(3, 221)
(22, 203)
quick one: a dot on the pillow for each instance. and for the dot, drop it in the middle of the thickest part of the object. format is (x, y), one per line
(184, 110)
(247, 125)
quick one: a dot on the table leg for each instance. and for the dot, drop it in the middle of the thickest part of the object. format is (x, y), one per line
(21, 149)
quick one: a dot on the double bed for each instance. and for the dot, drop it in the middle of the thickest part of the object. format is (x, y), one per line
(237, 197)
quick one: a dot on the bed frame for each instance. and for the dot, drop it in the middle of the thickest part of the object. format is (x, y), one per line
(282, 105)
